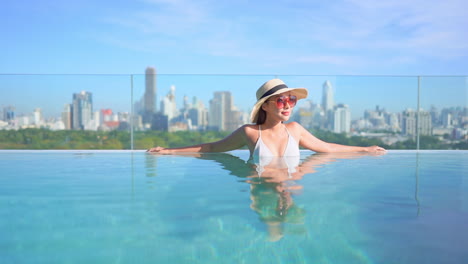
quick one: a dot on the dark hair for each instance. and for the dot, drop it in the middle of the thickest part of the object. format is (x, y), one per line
(261, 116)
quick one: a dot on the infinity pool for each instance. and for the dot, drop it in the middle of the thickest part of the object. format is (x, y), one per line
(134, 207)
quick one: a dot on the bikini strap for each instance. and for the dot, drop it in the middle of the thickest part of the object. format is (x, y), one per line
(259, 130)
(286, 129)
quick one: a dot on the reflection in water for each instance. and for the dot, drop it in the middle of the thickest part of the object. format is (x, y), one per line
(150, 164)
(273, 184)
(274, 181)
(416, 190)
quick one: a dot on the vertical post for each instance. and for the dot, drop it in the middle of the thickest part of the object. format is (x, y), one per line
(416, 189)
(131, 112)
(418, 114)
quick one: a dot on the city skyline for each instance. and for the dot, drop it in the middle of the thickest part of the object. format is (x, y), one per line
(450, 96)
(222, 113)
(359, 92)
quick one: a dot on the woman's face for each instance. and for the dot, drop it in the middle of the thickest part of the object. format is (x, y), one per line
(280, 106)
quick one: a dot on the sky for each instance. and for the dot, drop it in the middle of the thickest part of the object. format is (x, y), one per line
(205, 46)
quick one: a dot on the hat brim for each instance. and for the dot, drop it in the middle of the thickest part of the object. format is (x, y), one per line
(301, 93)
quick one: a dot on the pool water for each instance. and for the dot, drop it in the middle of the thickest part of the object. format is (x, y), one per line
(135, 207)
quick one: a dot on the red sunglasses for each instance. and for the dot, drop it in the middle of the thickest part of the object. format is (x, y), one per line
(282, 100)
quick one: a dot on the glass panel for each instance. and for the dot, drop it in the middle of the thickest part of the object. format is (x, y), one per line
(65, 111)
(37, 111)
(360, 110)
(444, 112)
(184, 102)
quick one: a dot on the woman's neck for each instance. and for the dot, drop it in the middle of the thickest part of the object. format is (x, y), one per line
(273, 125)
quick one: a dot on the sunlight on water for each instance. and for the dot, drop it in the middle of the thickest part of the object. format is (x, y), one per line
(124, 207)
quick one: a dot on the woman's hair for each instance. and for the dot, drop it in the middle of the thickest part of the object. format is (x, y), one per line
(261, 116)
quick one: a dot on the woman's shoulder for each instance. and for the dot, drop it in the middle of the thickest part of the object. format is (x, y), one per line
(293, 126)
(248, 128)
(295, 129)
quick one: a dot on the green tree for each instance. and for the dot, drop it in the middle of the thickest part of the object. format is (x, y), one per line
(72, 139)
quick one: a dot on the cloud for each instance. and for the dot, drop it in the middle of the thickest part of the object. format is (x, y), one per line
(167, 17)
(430, 28)
(341, 33)
(328, 59)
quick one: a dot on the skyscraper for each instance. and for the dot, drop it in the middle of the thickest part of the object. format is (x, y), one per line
(223, 115)
(37, 117)
(408, 122)
(327, 97)
(220, 110)
(8, 113)
(168, 104)
(150, 90)
(425, 123)
(198, 114)
(67, 116)
(82, 110)
(341, 119)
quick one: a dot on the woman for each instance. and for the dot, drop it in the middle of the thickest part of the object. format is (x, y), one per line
(270, 136)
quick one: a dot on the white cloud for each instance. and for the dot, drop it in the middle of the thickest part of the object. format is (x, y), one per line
(430, 28)
(366, 31)
(328, 59)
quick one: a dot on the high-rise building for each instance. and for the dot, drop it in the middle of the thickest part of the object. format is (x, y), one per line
(37, 117)
(393, 121)
(187, 105)
(8, 114)
(150, 90)
(328, 104)
(159, 122)
(447, 118)
(147, 108)
(67, 116)
(408, 122)
(82, 110)
(234, 119)
(198, 114)
(327, 96)
(341, 119)
(435, 115)
(305, 114)
(220, 110)
(425, 123)
(223, 115)
(168, 104)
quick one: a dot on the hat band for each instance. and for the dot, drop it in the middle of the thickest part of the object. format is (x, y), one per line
(274, 90)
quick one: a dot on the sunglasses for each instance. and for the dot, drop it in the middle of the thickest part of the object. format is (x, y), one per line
(282, 100)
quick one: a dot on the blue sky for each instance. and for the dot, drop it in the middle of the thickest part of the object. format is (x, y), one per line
(264, 38)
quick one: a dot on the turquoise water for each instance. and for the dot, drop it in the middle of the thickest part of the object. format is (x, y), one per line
(124, 207)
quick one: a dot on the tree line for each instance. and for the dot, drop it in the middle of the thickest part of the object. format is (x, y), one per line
(32, 138)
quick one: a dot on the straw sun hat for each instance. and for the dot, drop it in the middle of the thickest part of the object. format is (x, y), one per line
(271, 88)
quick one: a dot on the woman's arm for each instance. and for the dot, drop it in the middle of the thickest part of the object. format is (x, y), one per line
(309, 141)
(235, 140)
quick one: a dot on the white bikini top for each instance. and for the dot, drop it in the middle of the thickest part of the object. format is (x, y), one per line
(263, 157)
(262, 150)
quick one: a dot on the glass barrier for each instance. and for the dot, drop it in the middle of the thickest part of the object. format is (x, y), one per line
(65, 111)
(443, 115)
(138, 111)
(361, 110)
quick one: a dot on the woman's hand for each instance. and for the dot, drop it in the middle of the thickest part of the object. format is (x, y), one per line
(159, 149)
(375, 149)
